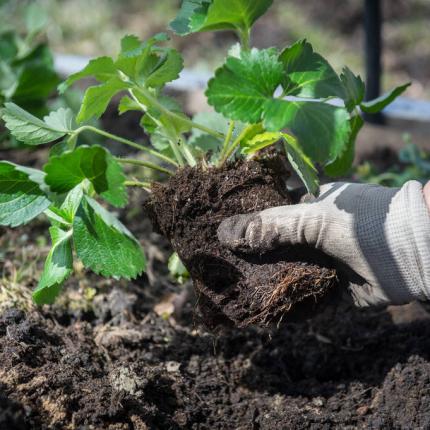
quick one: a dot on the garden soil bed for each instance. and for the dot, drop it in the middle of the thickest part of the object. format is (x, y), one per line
(353, 370)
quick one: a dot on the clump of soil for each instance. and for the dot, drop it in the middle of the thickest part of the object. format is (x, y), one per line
(236, 288)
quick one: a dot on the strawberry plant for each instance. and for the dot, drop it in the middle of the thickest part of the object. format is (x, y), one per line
(289, 98)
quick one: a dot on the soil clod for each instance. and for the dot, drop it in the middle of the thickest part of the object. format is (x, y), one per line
(235, 288)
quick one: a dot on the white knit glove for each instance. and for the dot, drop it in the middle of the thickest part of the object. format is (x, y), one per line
(379, 237)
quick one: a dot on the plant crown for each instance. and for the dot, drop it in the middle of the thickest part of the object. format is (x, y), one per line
(261, 97)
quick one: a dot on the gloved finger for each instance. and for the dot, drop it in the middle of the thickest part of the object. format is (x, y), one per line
(365, 295)
(232, 231)
(271, 228)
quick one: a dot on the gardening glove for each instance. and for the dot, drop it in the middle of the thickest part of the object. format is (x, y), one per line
(378, 237)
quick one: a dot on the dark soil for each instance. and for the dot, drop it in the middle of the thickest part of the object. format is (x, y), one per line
(232, 288)
(353, 370)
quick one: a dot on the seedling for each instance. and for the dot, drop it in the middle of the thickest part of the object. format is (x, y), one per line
(290, 97)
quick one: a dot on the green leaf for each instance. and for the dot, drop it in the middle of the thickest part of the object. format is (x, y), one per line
(97, 98)
(177, 269)
(127, 104)
(35, 82)
(71, 203)
(260, 141)
(301, 163)
(35, 18)
(168, 68)
(241, 86)
(94, 163)
(157, 122)
(354, 88)
(376, 105)
(207, 15)
(33, 131)
(103, 244)
(202, 142)
(322, 129)
(147, 63)
(343, 163)
(103, 69)
(308, 73)
(21, 197)
(58, 267)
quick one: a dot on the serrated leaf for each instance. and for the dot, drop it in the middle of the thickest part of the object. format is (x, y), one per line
(207, 15)
(322, 129)
(301, 163)
(103, 69)
(354, 88)
(127, 104)
(96, 99)
(343, 163)
(376, 105)
(58, 267)
(260, 141)
(33, 131)
(147, 63)
(167, 70)
(93, 163)
(21, 197)
(103, 244)
(241, 87)
(308, 73)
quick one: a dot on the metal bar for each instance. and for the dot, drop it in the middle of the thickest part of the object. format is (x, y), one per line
(373, 53)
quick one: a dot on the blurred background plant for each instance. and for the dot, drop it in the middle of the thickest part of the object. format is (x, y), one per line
(412, 163)
(94, 27)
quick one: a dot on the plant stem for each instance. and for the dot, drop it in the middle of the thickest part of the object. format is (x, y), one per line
(244, 36)
(145, 185)
(188, 155)
(228, 136)
(144, 164)
(229, 152)
(154, 102)
(126, 142)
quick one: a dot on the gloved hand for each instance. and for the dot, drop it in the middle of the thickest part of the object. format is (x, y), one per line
(379, 237)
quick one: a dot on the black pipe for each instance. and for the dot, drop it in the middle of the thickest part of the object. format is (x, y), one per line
(373, 53)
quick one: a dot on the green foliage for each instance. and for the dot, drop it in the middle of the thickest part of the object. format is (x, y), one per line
(308, 74)
(413, 164)
(27, 128)
(242, 87)
(103, 244)
(210, 15)
(27, 75)
(375, 106)
(261, 98)
(58, 267)
(94, 164)
(21, 195)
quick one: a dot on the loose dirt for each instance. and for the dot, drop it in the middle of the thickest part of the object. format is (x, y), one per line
(233, 288)
(351, 370)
